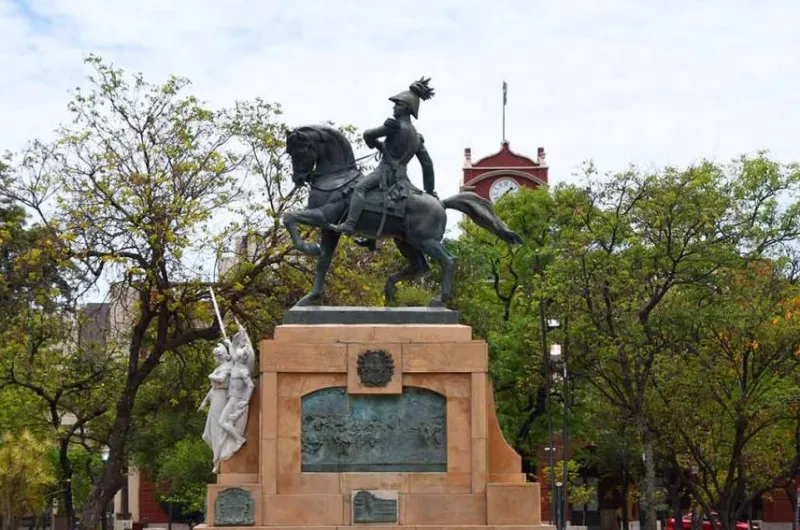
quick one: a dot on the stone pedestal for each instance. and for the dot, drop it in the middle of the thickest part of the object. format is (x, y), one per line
(374, 424)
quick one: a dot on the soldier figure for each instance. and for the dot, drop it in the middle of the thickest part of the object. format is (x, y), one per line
(402, 143)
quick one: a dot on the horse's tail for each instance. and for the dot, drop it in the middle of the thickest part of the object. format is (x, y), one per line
(481, 211)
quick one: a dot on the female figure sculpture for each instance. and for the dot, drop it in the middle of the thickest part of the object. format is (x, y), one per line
(217, 398)
(229, 397)
(233, 419)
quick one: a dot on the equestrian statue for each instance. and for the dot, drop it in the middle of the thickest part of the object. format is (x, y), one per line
(382, 204)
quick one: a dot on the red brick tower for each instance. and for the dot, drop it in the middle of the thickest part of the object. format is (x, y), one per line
(503, 172)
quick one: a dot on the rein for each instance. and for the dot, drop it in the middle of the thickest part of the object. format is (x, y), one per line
(336, 170)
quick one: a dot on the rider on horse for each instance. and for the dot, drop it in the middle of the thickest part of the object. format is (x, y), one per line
(402, 143)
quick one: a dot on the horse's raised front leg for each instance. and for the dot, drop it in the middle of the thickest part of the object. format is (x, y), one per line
(313, 217)
(328, 240)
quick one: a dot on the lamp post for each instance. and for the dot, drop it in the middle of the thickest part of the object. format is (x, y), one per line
(565, 417)
(104, 521)
(550, 325)
(546, 325)
(557, 353)
(559, 504)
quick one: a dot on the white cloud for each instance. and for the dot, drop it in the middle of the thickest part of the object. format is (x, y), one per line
(619, 81)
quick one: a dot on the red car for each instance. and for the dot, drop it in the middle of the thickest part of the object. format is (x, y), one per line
(705, 523)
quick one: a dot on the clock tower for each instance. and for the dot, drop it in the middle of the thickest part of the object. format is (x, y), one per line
(503, 172)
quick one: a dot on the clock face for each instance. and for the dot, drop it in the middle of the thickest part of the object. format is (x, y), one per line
(502, 186)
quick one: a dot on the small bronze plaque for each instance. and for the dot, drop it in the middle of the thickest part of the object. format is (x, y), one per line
(234, 507)
(375, 507)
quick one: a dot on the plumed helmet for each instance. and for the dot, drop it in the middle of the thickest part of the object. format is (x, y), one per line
(416, 91)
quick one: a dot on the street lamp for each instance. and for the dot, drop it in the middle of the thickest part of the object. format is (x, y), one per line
(546, 325)
(556, 354)
(559, 503)
(550, 325)
(104, 453)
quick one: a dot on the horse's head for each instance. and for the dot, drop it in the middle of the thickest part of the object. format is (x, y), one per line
(302, 146)
(317, 149)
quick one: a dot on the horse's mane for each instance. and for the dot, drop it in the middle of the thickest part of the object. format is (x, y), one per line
(323, 134)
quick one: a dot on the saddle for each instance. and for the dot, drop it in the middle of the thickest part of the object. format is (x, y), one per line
(396, 198)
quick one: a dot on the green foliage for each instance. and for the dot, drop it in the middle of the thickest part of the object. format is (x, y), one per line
(739, 382)
(86, 465)
(165, 443)
(183, 474)
(654, 254)
(579, 493)
(47, 374)
(33, 267)
(138, 188)
(60, 391)
(498, 290)
(648, 268)
(25, 476)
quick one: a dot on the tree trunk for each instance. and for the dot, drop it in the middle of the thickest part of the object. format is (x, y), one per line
(9, 522)
(675, 498)
(649, 481)
(66, 481)
(111, 477)
(724, 513)
(695, 517)
(791, 494)
(625, 492)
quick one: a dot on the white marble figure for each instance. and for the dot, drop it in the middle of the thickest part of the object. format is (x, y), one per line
(231, 389)
(216, 398)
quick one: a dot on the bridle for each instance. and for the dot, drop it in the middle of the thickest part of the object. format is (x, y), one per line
(335, 170)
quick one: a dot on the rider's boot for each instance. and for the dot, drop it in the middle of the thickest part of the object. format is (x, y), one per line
(349, 226)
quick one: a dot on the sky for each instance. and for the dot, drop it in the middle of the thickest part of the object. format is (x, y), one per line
(619, 82)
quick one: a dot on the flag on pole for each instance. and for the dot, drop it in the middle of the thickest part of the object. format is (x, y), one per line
(505, 92)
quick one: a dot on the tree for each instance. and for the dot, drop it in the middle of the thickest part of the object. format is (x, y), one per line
(67, 387)
(616, 255)
(643, 238)
(51, 384)
(25, 476)
(165, 443)
(636, 245)
(614, 451)
(739, 381)
(135, 187)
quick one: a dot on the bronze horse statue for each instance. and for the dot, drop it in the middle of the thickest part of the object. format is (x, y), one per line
(323, 159)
